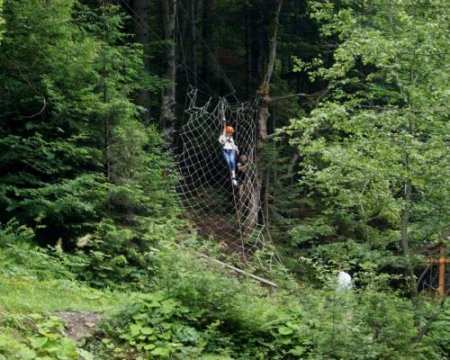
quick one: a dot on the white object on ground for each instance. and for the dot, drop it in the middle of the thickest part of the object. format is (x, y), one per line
(344, 281)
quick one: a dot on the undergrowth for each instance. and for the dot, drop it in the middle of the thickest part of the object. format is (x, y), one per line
(198, 312)
(194, 309)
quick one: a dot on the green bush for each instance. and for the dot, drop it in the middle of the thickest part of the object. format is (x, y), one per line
(40, 338)
(87, 158)
(120, 257)
(199, 312)
(19, 256)
(157, 326)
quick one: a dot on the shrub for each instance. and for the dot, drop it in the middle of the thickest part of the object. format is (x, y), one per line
(41, 337)
(19, 256)
(198, 312)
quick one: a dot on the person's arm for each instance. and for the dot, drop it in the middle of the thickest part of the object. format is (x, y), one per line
(224, 124)
(222, 137)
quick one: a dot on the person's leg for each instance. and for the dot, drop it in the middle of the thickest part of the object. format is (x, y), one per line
(230, 158)
(233, 168)
(227, 156)
(233, 163)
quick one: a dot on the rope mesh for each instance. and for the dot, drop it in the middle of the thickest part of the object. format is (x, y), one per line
(429, 281)
(215, 206)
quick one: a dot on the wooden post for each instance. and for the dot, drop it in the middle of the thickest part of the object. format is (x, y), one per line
(442, 262)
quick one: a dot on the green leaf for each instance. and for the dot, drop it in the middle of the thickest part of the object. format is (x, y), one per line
(284, 330)
(135, 329)
(161, 351)
(39, 342)
(85, 355)
(149, 346)
(297, 351)
(147, 330)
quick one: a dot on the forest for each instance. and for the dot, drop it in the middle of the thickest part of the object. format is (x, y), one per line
(224, 179)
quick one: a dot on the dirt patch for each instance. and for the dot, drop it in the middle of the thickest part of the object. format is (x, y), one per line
(79, 324)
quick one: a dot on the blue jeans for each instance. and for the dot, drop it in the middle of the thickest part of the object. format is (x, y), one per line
(230, 158)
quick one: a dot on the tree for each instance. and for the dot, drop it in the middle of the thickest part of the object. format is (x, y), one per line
(73, 149)
(194, 20)
(375, 150)
(264, 92)
(142, 31)
(208, 11)
(168, 100)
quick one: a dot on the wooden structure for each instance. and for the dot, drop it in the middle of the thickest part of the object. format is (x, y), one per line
(441, 262)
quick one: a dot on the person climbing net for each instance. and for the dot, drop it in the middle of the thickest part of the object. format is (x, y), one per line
(230, 150)
(215, 205)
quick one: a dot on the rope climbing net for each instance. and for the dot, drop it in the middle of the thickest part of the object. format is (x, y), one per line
(215, 206)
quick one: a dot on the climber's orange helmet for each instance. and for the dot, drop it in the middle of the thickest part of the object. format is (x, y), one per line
(229, 130)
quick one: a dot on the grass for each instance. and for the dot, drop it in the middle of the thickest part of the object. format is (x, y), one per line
(26, 294)
(33, 282)
(30, 300)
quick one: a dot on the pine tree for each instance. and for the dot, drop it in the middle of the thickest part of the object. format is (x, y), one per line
(72, 148)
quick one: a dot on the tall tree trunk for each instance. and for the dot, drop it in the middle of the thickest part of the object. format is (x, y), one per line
(105, 95)
(106, 132)
(193, 12)
(263, 111)
(264, 87)
(142, 30)
(211, 68)
(247, 51)
(404, 238)
(252, 189)
(168, 101)
(207, 31)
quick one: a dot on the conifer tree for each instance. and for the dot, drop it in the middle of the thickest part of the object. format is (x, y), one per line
(72, 148)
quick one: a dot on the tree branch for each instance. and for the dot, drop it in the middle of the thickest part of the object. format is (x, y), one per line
(44, 106)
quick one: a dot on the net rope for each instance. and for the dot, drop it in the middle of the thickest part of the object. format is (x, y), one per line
(211, 202)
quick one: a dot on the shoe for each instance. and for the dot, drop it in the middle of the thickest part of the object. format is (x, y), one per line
(234, 182)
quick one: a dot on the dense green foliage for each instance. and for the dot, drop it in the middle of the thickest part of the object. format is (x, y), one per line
(195, 311)
(76, 162)
(355, 176)
(375, 164)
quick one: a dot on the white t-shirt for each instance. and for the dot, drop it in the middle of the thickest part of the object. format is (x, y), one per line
(228, 142)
